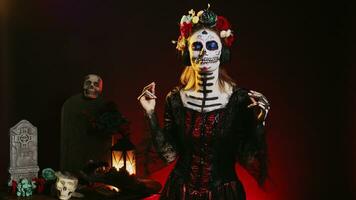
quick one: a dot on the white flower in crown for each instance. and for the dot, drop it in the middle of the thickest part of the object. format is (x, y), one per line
(225, 34)
(186, 18)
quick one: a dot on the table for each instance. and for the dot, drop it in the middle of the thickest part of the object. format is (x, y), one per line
(89, 195)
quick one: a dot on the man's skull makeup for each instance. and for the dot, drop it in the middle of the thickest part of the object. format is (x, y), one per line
(205, 50)
(65, 185)
(92, 86)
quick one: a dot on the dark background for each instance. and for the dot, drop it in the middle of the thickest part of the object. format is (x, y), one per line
(297, 53)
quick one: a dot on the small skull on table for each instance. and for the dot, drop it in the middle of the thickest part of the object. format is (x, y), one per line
(66, 185)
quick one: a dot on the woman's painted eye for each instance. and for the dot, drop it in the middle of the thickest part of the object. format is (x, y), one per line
(197, 46)
(212, 45)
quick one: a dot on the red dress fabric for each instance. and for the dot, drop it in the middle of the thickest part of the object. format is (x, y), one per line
(201, 129)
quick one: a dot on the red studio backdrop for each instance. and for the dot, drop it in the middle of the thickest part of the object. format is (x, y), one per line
(295, 53)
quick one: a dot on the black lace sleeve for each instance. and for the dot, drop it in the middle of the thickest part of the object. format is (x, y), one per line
(252, 145)
(163, 137)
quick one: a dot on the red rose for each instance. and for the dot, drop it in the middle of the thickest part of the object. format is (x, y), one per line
(229, 40)
(13, 186)
(186, 29)
(222, 23)
(39, 184)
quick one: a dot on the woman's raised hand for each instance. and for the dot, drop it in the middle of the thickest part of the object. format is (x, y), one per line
(148, 98)
(260, 101)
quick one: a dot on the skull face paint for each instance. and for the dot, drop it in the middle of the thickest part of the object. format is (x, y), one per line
(65, 185)
(205, 50)
(92, 86)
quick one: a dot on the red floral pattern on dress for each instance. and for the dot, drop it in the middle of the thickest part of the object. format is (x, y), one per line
(201, 126)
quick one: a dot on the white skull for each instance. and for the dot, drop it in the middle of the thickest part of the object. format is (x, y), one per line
(92, 86)
(205, 50)
(65, 185)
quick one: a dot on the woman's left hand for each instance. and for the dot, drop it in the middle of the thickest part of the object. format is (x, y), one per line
(259, 100)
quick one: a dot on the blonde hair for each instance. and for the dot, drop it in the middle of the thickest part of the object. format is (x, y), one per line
(189, 79)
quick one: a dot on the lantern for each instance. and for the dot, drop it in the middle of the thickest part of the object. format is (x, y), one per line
(123, 155)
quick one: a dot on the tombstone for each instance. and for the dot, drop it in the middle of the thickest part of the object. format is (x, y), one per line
(23, 151)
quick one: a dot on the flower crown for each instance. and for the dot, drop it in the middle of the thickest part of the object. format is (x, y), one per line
(204, 18)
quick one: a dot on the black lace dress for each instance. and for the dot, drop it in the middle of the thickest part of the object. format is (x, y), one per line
(207, 146)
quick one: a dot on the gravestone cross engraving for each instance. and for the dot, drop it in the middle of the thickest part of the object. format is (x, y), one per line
(23, 151)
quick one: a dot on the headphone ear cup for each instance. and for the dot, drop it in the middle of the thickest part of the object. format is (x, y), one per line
(186, 58)
(225, 55)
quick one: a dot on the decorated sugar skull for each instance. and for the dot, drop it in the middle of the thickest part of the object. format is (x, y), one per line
(66, 185)
(92, 86)
(205, 50)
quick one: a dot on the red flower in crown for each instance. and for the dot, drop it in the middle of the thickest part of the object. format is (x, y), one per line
(222, 23)
(186, 29)
(229, 40)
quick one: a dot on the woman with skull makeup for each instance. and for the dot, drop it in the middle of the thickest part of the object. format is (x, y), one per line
(209, 122)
